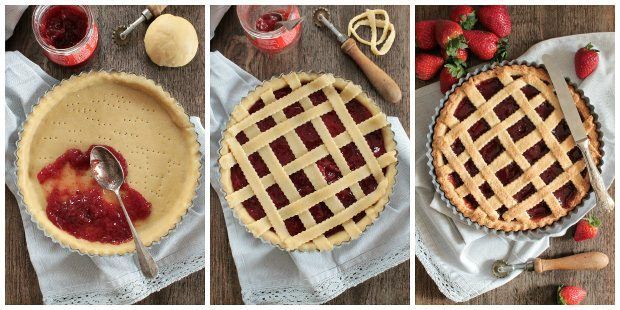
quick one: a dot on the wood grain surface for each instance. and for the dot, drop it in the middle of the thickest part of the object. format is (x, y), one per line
(530, 25)
(317, 50)
(186, 84)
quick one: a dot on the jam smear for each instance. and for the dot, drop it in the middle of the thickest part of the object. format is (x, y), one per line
(566, 194)
(521, 129)
(254, 208)
(506, 108)
(486, 190)
(551, 173)
(455, 179)
(471, 168)
(478, 129)
(539, 211)
(536, 152)
(282, 150)
(544, 110)
(509, 173)
(464, 109)
(63, 26)
(525, 192)
(575, 154)
(277, 196)
(294, 225)
(561, 131)
(458, 147)
(488, 88)
(267, 22)
(79, 206)
(530, 91)
(492, 150)
(471, 202)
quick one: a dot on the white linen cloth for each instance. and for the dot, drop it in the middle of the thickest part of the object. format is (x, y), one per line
(269, 275)
(66, 277)
(459, 257)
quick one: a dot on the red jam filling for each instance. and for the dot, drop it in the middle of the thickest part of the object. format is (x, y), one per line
(509, 173)
(79, 206)
(327, 166)
(63, 26)
(267, 22)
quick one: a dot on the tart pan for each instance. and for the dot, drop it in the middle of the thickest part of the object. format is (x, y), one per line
(223, 193)
(20, 198)
(554, 228)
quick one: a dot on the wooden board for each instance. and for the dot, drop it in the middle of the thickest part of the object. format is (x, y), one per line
(530, 25)
(186, 84)
(317, 50)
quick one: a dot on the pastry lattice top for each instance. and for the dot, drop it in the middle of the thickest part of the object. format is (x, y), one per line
(280, 198)
(503, 153)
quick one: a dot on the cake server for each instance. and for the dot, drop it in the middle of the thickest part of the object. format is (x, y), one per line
(571, 115)
(121, 33)
(383, 83)
(108, 172)
(582, 261)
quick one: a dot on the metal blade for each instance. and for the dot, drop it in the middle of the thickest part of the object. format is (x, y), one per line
(566, 100)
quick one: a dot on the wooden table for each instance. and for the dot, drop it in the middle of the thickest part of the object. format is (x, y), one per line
(317, 50)
(186, 84)
(530, 25)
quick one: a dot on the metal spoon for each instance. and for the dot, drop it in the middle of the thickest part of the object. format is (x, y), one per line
(108, 172)
(290, 24)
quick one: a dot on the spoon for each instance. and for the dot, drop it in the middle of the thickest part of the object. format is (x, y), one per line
(290, 24)
(108, 172)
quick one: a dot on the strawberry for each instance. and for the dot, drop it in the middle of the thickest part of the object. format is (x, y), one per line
(495, 18)
(570, 295)
(427, 66)
(464, 15)
(450, 74)
(486, 45)
(586, 60)
(425, 35)
(446, 32)
(458, 51)
(587, 228)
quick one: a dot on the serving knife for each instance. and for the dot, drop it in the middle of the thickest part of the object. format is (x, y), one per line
(571, 115)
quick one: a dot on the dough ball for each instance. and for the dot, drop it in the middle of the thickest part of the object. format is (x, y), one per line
(171, 41)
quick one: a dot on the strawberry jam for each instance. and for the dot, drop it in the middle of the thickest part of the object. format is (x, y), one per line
(327, 166)
(79, 206)
(63, 26)
(267, 22)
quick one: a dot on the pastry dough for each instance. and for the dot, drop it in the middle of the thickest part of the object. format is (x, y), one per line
(369, 19)
(171, 41)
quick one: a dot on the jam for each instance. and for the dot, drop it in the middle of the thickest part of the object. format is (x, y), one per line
(63, 26)
(327, 166)
(66, 33)
(267, 22)
(79, 206)
(259, 24)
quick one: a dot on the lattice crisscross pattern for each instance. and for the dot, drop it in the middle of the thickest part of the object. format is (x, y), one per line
(503, 153)
(308, 161)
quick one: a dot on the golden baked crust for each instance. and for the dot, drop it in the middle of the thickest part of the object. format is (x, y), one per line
(502, 211)
(136, 117)
(232, 153)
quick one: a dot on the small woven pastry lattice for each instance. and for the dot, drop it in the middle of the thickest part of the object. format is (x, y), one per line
(310, 188)
(503, 153)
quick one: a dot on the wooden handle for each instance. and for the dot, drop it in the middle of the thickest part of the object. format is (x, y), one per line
(589, 260)
(156, 9)
(384, 84)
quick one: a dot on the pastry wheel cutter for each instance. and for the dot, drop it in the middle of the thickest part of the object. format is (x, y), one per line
(582, 261)
(121, 33)
(383, 83)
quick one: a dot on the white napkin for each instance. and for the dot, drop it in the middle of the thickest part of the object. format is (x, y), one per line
(216, 12)
(269, 275)
(66, 277)
(459, 257)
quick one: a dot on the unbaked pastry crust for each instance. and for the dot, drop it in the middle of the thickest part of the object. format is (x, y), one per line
(372, 212)
(136, 117)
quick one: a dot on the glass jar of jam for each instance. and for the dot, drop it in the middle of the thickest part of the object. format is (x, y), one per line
(67, 34)
(259, 23)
